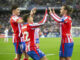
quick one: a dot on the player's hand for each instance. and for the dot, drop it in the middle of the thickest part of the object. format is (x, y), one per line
(50, 11)
(53, 11)
(33, 11)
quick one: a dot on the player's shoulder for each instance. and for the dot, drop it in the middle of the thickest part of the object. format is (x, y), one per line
(33, 24)
(69, 17)
(14, 18)
(24, 26)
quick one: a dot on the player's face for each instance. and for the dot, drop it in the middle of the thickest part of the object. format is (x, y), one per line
(17, 11)
(62, 11)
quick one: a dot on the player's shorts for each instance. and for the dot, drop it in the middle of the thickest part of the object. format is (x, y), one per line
(24, 46)
(35, 56)
(37, 40)
(21, 47)
(66, 50)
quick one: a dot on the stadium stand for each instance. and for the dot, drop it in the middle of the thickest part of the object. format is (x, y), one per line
(4, 16)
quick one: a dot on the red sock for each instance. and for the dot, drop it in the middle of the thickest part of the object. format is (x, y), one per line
(15, 59)
(25, 59)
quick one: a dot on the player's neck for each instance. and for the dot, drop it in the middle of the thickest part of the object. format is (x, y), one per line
(14, 14)
(64, 14)
(29, 22)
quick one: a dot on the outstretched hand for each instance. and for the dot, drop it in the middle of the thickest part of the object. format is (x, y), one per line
(51, 11)
(33, 11)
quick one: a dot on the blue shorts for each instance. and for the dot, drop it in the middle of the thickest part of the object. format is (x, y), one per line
(21, 47)
(24, 46)
(35, 56)
(66, 50)
(37, 40)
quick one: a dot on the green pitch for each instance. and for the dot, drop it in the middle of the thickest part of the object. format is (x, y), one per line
(50, 46)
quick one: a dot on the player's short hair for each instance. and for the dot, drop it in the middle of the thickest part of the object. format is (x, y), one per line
(25, 17)
(15, 6)
(68, 8)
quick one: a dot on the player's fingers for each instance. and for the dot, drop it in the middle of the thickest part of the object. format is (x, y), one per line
(53, 9)
(49, 8)
(34, 8)
(50, 11)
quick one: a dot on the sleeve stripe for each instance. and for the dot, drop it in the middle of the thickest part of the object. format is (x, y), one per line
(55, 17)
(42, 21)
(65, 18)
(37, 24)
(45, 19)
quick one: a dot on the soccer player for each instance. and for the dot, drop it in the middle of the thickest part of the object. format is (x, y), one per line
(28, 31)
(6, 35)
(37, 35)
(16, 22)
(65, 21)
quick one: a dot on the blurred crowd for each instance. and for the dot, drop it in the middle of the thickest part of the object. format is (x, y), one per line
(51, 2)
(8, 3)
(49, 27)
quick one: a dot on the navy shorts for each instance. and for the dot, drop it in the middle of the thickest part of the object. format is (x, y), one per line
(24, 46)
(66, 50)
(21, 47)
(35, 56)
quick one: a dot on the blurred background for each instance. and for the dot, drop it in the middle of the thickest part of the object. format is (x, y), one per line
(51, 28)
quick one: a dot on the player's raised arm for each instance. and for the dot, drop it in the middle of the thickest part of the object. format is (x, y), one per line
(55, 16)
(44, 18)
(35, 25)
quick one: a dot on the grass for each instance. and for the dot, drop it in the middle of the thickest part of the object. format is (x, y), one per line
(50, 46)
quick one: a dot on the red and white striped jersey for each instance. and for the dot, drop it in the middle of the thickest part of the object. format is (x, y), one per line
(65, 27)
(16, 28)
(28, 31)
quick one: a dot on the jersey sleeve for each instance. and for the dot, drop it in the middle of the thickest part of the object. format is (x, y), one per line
(35, 25)
(58, 19)
(16, 19)
(67, 19)
(44, 18)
